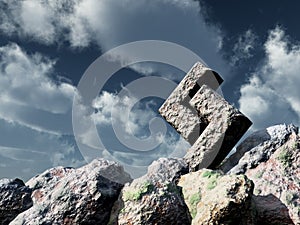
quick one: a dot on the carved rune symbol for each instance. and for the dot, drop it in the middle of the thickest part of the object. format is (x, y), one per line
(206, 120)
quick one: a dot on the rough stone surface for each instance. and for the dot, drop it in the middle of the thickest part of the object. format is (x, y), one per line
(14, 199)
(194, 110)
(75, 196)
(261, 186)
(271, 211)
(279, 177)
(258, 147)
(154, 198)
(273, 165)
(177, 110)
(214, 198)
(225, 126)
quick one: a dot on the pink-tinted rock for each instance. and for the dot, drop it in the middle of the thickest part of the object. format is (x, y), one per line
(273, 166)
(74, 196)
(14, 199)
(154, 198)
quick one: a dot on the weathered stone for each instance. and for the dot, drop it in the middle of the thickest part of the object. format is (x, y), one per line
(88, 195)
(257, 147)
(214, 198)
(154, 198)
(279, 176)
(14, 199)
(75, 196)
(273, 165)
(48, 179)
(167, 169)
(194, 110)
(271, 211)
(225, 126)
(177, 110)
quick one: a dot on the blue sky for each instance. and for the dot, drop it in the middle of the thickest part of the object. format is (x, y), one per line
(46, 46)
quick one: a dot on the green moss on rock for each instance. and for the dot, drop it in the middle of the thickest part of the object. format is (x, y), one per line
(137, 194)
(194, 200)
(285, 157)
(212, 177)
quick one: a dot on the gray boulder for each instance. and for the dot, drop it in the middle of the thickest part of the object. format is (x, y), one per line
(257, 148)
(271, 159)
(74, 196)
(154, 198)
(215, 198)
(14, 199)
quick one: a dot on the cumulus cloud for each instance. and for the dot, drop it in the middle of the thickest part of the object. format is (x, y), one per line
(35, 115)
(110, 23)
(244, 47)
(272, 94)
(135, 125)
(28, 94)
(106, 23)
(108, 104)
(131, 115)
(36, 20)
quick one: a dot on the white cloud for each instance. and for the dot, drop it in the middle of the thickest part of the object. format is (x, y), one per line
(110, 23)
(107, 23)
(136, 125)
(27, 93)
(104, 105)
(42, 21)
(108, 103)
(35, 112)
(272, 94)
(22, 154)
(35, 20)
(244, 47)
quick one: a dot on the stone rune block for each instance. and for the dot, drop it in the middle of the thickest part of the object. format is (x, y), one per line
(225, 126)
(207, 121)
(177, 109)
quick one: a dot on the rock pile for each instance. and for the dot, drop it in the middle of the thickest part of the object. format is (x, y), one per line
(272, 162)
(155, 198)
(74, 196)
(259, 184)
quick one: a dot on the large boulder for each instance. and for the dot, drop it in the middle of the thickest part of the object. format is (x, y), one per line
(257, 148)
(75, 196)
(14, 199)
(271, 159)
(214, 198)
(154, 198)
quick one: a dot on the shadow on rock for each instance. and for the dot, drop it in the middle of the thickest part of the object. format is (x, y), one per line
(270, 210)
